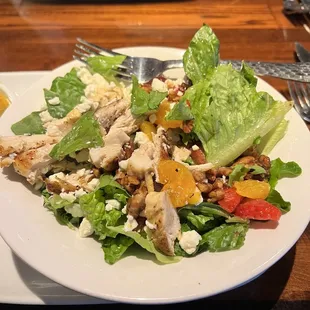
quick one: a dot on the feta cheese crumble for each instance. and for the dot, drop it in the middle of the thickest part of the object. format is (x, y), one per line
(189, 241)
(54, 101)
(195, 147)
(45, 117)
(75, 210)
(131, 223)
(141, 138)
(158, 85)
(68, 196)
(112, 204)
(85, 228)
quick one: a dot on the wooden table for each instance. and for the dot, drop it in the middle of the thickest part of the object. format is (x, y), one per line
(40, 35)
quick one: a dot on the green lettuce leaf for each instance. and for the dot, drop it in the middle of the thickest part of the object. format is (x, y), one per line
(230, 114)
(224, 238)
(276, 199)
(146, 244)
(106, 65)
(142, 101)
(84, 134)
(207, 209)
(180, 111)
(269, 141)
(240, 171)
(69, 89)
(93, 205)
(114, 248)
(202, 54)
(30, 124)
(57, 205)
(198, 221)
(280, 169)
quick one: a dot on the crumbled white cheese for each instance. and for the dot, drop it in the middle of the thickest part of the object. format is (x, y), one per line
(81, 172)
(68, 196)
(99, 79)
(131, 223)
(224, 179)
(79, 193)
(124, 210)
(195, 147)
(141, 138)
(123, 164)
(180, 154)
(112, 204)
(86, 105)
(179, 93)
(75, 210)
(158, 85)
(93, 183)
(150, 225)
(152, 118)
(90, 91)
(172, 104)
(189, 241)
(84, 75)
(54, 101)
(12, 155)
(85, 228)
(45, 117)
(56, 176)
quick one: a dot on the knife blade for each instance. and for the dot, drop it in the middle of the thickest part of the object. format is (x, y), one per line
(302, 53)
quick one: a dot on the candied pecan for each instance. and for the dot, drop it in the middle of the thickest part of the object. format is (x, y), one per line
(217, 194)
(264, 161)
(224, 171)
(246, 160)
(198, 157)
(136, 203)
(199, 176)
(188, 126)
(218, 183)
(204, 187)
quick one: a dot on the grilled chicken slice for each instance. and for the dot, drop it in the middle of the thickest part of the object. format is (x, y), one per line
(127, 122)
(107, 114)
(106, 156)
(160, 212)
(60, 127)
(33, 163)
(19, 144)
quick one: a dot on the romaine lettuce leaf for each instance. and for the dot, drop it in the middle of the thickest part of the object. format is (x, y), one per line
(224, 238)
(30, 124)
(180, 111)
(202, 54)
(276, 199)
(69, 89)
(84, 134)
(57, 205)
(229, 113)
(142, 101)
(106, 65)
(146, 244)
(280, 169)
(240, 171)
(207, 209)
(198, 221)
(269, 141)
(114, 248)
(93, 205)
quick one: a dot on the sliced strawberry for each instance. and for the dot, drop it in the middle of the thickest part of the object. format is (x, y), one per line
(258, 209)
(231, 200)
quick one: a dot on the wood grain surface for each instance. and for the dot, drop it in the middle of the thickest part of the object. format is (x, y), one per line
(40, 35)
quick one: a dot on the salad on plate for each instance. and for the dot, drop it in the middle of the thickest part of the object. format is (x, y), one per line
(178, 167)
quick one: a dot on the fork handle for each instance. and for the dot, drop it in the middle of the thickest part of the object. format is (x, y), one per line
(299, 72)
(288, 71)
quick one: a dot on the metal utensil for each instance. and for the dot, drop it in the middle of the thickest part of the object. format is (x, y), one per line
(300, 92)
(146, 68)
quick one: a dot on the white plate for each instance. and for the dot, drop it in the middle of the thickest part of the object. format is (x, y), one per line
(57, 252)
(19, 283)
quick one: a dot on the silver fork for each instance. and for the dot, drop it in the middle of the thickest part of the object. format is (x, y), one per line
(146, 68)
(300, 92)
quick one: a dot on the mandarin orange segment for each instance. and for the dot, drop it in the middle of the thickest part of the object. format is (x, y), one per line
(4, 102)
(179, 182)
(252, 189)
(148, 128)
(195, 198)
(164, 108)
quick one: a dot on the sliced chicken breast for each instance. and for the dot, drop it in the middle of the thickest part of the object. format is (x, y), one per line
(18, 144)
(33, 163)
(160, 212)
